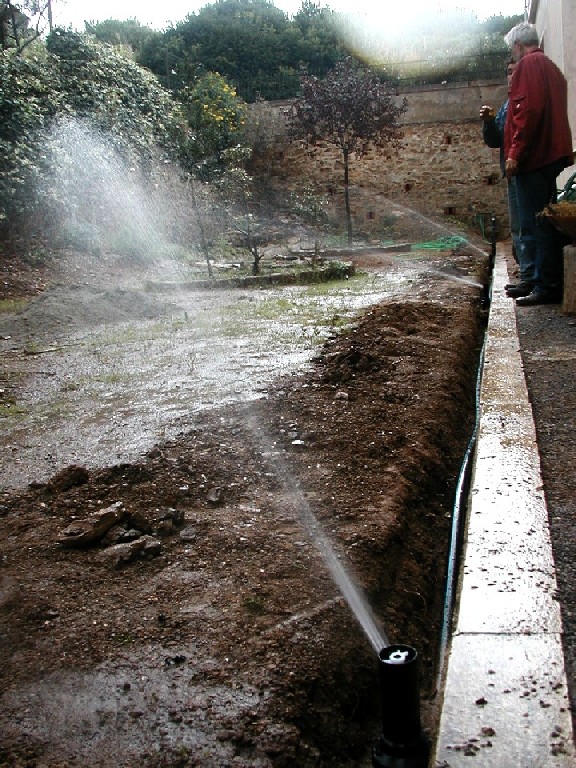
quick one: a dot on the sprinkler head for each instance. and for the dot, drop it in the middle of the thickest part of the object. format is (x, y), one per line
(485, 297)
(402, 743)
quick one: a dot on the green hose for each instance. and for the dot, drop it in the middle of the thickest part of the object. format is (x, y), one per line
(443, 244)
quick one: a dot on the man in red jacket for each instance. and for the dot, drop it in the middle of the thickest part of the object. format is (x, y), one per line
(537, 147)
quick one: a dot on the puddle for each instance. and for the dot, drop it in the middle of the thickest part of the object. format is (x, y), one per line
(86, 386)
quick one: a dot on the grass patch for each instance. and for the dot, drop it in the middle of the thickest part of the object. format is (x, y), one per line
(12, 411)
(255, 605)
(298, 313)
(12, 305)
(128, 334)
(70, 386)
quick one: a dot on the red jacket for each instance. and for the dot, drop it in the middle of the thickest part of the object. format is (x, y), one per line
(537, 131)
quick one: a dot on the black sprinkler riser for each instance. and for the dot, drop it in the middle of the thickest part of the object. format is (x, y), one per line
(402, 743)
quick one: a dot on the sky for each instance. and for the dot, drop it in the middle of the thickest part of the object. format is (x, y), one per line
(160, 15)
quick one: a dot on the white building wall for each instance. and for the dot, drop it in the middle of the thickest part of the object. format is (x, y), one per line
(556, 24)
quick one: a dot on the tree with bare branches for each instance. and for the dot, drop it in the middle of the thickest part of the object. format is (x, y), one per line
(21, 24)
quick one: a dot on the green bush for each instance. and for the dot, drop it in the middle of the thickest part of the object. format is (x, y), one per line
(30, 97)
(215, 117)
(69, 77)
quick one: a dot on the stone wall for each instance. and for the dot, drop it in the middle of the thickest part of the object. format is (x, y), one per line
(451, 102)
(441, 167)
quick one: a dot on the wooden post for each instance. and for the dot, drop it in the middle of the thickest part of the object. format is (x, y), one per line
(569, 298)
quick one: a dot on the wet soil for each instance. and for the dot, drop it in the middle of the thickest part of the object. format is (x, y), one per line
(167, 596)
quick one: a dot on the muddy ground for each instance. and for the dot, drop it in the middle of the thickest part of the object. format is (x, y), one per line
(170, 602)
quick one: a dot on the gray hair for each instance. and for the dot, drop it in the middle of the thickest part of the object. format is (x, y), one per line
(523, 33)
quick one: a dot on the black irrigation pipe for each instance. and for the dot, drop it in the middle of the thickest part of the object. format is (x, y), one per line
(463, 484)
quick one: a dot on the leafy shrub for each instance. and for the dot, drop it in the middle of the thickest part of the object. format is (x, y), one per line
(215, 117)
(74, 75)
(30, 97)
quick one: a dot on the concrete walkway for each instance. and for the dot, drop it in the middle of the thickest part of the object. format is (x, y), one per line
(505, 695)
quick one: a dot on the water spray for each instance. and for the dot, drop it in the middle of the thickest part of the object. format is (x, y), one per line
(402, 744)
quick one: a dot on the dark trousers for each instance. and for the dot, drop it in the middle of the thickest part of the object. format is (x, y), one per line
(540, 239)
(525, 258)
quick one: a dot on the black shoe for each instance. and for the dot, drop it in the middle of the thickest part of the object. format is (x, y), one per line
(538, 297)
(514, 290)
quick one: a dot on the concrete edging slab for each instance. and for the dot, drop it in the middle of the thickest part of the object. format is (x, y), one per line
(505, 697)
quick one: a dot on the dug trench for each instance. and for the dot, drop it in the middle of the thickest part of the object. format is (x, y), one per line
(199, 625)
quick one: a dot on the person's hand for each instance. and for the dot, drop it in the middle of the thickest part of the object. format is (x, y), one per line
(487, 113)
(511, 167)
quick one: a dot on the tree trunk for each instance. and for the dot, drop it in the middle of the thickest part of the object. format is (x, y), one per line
(347, 197)
(203, 242)
(256, 259)
(316, 255)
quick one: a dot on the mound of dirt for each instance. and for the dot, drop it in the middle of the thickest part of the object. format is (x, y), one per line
(65, 309)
